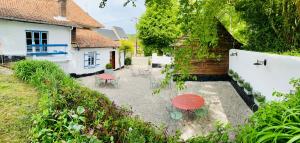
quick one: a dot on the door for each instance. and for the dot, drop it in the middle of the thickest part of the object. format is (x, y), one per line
(113, 59)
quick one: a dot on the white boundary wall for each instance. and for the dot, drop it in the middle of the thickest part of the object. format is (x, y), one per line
(275, 76)
(164, 60)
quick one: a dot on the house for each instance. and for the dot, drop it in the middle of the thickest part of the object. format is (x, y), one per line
(116, 34)
(58, 31)
(121, 34)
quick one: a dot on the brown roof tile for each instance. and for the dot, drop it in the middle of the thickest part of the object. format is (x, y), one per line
(44, 11)
(86, 38)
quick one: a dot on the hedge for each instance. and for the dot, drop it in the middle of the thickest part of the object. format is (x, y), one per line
(71, 113)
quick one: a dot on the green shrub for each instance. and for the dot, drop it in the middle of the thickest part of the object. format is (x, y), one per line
(259, 97)
(235, 76)
(241, 81)
(219, 135)
(128, 61)
(230, 72)
(71, 113)
(247, 86)
(109, 66)
(275, 121)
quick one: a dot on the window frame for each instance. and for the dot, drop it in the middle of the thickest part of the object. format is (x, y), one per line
(33, 41)
(91, 59)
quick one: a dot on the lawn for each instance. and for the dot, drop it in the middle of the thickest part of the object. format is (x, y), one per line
(18, 102)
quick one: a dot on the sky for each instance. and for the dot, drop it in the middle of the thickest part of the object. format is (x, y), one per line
(114, 14)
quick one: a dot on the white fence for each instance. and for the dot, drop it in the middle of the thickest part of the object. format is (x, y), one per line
(162, 60)
(274, 76)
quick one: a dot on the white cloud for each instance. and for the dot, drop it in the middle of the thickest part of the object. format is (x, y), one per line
(114, 14)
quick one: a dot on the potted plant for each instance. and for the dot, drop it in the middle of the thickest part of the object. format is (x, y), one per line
(259, 97)
(109, 68)
(247, 88)
(235, 76)
(230, 72)
(240, 82)
(128, 61)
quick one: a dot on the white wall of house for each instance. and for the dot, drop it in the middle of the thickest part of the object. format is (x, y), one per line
(275, 76)
(77, 60)
(13, 36)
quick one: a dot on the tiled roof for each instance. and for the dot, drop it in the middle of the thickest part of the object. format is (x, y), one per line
(86, 38)
(120, 32)
(108, 33)
(45, 11)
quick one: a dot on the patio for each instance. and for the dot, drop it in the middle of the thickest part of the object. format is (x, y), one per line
(225, 105)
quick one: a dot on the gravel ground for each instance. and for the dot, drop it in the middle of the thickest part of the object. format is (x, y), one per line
(225, 105)
(5, 71)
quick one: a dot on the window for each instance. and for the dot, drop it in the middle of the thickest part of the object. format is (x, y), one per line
(36, 41)
(91, 59)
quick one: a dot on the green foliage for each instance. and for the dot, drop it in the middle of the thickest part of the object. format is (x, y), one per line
(259, 97)
(71, 113)
(219, 135)
(127, 46)
(230, 72)
(108, 66)
(273, 25)
(241, 81)
(275, 121)
(158, 27)
(235, 76)
(247, 86)
(128, 61)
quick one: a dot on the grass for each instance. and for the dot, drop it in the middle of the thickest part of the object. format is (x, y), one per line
(18, 101)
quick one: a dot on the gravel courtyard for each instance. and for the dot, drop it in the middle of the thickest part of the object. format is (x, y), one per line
(225, 105)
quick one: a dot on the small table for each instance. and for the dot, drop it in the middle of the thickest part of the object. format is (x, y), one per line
(188, 102)
(106, 77)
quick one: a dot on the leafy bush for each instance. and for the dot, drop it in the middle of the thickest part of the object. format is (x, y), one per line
(241, 82)
(219, 135)
(108, 66)
(71, 113)
(259, 97)
(235, 76)
(230, 72)
(247, 86)
(275, 121)
(128, 61)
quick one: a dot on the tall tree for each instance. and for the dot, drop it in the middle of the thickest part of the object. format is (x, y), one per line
(158, 27)
(273, 24)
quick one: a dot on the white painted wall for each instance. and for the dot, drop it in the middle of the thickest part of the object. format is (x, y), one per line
(266, 79)
(164, 60)
(13, 38)
(77, 60)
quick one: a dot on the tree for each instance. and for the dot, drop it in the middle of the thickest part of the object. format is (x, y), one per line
(158, 28)
(274, 25)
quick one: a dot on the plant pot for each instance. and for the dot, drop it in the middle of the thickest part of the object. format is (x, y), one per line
(256, 102)
(248, 92)
(240, 84)
(109, 71)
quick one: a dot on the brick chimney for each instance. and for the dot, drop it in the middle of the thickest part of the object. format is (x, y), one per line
(62, 8)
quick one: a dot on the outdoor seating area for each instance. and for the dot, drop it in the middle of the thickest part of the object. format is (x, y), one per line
(193, 110)
(107, 79)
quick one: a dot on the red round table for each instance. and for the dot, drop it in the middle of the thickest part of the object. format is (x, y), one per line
(188, 101)
(106, 76)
